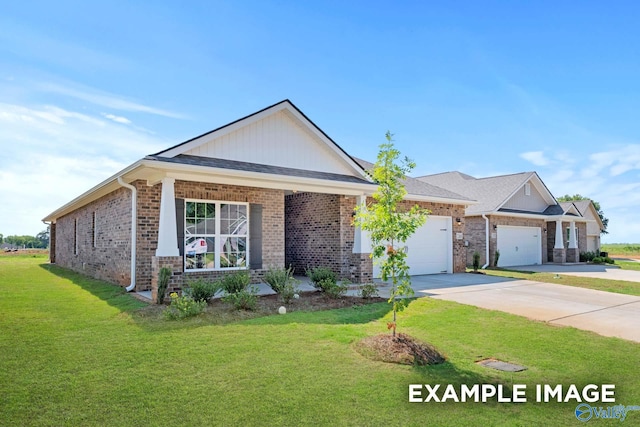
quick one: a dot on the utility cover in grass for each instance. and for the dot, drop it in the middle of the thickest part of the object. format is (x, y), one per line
(500, 365)
(402, 349)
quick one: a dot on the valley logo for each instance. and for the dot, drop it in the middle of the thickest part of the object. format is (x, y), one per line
(584, 412)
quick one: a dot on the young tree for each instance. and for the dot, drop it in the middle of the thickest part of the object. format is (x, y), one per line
(388, 227)
(605, 220)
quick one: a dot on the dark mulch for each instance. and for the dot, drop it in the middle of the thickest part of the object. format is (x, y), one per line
(402, 349)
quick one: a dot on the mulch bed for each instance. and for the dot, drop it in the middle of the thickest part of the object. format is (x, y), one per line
(402, 349)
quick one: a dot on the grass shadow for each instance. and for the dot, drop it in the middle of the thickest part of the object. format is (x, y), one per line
(115, 296)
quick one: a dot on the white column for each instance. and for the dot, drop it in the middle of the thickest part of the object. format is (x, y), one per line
(573, 244)
(361, 240)
(167, 228)
(559, 235)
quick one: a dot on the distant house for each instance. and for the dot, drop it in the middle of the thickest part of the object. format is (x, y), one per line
(268, 190)
(518, 216)
(594, 223)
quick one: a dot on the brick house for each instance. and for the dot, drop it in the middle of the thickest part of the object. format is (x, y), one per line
(519, 217)
(268, 190)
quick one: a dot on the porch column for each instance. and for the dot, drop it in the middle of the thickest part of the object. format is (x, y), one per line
(167, 228)
(559, 253)
(573, 244)
(572, 253)
(361, 239)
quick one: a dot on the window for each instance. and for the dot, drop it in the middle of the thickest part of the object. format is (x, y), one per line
(94, 235)
(527, 189)
(215, 235)
(75, 236)
(569, 234)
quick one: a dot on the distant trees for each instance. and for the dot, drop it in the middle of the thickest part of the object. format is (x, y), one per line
(40, 241)
(577, 197)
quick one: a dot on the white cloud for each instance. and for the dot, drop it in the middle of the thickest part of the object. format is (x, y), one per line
(535, 157)
(51, 155)
(117, 119)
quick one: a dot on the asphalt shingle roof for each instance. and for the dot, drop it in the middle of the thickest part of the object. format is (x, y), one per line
(420, 188)
(186, 159)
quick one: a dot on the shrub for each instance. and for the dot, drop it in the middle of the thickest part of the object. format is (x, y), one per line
(476, 261)
(321, 276)
(282, 282)
(497, 257)
(369, 291)
(235, 282)
(587, 256)
(609, 260)
(598, 260)
(183, 306)
(332, 289)
(202, 290)
(163, 282)
(245, 299)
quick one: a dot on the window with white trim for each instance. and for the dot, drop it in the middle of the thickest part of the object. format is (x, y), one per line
(94, 235)
(527, 189)
(569, 235)
(215, 235)
(75, 236)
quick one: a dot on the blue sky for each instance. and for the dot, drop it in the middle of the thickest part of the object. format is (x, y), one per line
(481, 87)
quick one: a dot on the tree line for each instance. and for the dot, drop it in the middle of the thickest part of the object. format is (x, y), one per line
(40, 240)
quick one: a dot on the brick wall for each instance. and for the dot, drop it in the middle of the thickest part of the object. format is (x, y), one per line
(272, 202)
(109, 260)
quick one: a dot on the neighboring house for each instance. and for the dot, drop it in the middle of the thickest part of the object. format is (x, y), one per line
(594, 223)
(268, 190)
(517, 215)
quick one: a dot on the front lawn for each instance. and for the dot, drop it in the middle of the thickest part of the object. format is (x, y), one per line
(75, 351)
(618, 286)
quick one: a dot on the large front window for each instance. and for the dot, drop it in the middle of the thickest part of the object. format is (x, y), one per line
(215, 235)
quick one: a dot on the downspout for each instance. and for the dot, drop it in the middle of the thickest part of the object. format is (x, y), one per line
(486, 233)
(134, 216)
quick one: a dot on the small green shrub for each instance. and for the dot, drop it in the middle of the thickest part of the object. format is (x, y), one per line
(587, 256)
(598, 260)
(497, 257)
(236, 282)
(163, 282)
(320, 276)
(282, 282)
(369, 291)
(183, 306)
(202, 290)
(476, 261)
(332, 289)
(246, 299)
(609, 260)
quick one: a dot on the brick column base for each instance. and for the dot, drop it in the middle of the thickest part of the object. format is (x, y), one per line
(573, 255)
(559, 256)
(174, 263)
(361, 268)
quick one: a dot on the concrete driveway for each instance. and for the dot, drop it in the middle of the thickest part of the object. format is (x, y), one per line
(605, 313)
(610, 272)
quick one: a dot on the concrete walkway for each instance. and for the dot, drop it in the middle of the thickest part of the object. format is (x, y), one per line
(605, 313)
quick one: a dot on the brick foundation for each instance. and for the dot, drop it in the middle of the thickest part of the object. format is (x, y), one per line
(559, 256)
(573, 255)
(176, 280)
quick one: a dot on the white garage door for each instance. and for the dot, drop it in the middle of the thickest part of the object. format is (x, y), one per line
(429, 250)
(519, 245)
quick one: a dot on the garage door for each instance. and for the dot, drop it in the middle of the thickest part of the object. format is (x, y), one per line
(429, 250)
(519, 245)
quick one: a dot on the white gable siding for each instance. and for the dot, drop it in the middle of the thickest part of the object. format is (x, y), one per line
(276, 140)
(534, 202)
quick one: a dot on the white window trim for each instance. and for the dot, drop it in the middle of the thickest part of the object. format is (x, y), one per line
(217, 267)
(568, 235)
(527, 189)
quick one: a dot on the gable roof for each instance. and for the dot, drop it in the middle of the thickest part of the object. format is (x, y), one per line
(584, 207)
(315, 148)
(491, 192)
(417, 189)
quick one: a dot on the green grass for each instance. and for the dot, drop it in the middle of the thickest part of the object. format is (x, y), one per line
(75, 351)
(617, 286)
(622, 249)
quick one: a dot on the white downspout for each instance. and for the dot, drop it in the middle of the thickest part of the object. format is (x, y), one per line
(134, 216)
(486, 246)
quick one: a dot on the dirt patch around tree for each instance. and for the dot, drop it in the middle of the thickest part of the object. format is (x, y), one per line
(402, 349)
